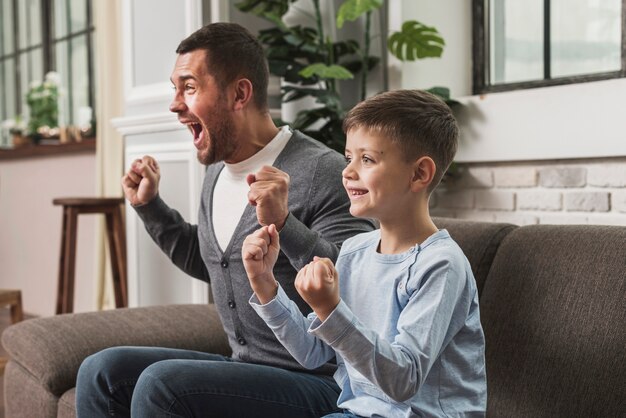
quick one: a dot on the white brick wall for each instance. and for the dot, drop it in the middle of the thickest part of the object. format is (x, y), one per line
(554, 192)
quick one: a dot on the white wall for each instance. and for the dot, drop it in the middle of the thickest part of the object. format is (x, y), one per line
(572, 121)
(30, 229)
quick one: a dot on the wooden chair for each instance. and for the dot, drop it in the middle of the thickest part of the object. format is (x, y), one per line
(112, 209)
(13, 299)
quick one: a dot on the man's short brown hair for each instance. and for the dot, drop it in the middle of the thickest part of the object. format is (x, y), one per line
(419, 122)
(232, 52)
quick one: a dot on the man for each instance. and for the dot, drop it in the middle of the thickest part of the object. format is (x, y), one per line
(257, 174)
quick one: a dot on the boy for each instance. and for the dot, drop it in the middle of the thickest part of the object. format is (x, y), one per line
(400, 311)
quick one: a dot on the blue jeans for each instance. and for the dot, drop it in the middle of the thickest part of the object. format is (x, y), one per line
(161, 382)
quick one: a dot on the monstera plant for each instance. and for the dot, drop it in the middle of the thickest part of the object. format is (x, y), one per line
(312, 63)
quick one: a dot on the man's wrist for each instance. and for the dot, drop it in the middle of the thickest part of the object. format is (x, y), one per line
(267, 292)
(280, 226)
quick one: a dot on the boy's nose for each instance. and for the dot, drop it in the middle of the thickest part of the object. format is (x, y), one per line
(348, 172)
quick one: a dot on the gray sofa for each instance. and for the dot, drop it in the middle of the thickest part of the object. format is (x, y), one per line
(553, 307)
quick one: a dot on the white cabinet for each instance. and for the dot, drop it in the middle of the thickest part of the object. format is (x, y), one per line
(152, 277)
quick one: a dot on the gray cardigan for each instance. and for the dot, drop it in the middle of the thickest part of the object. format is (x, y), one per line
(319, 221)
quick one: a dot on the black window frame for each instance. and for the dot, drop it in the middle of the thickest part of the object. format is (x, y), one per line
(49, 60)
(480, 56)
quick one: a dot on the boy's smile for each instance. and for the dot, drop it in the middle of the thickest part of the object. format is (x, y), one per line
(377, 177)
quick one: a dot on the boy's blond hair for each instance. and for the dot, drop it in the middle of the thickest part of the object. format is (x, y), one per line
(419, 122)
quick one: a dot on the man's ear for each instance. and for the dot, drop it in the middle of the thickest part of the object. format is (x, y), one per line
(243, 93)
(424, 170)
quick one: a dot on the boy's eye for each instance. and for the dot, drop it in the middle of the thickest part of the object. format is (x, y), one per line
(366, 159)
(348, 159)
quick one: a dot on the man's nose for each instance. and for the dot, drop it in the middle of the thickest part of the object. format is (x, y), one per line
(177, 105)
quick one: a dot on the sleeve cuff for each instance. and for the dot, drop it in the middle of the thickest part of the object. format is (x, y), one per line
(336, 326)
(272, 310)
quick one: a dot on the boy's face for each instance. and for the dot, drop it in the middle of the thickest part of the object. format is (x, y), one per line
(377, 177)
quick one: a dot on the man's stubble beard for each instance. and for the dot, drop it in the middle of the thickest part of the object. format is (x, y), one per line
(220, 141)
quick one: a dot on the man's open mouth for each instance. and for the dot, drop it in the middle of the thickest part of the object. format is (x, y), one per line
(196, 130)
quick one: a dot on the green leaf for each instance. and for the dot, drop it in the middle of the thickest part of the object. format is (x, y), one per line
(272, 10)
(352, 9)
(444, 94)
(415, 41)
(336, 72)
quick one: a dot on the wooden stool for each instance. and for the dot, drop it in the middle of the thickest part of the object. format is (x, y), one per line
(12, 298)
(112, 209)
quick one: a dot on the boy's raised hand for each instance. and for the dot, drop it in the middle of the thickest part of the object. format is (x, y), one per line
(259, 252)
(318, 284)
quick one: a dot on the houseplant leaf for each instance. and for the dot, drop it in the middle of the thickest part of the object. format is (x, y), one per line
(272, 10)
(351, 10)
(415, 41)
(335, 72)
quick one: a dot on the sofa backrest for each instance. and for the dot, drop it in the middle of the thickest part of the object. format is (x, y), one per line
(478, 240)
(553, 310)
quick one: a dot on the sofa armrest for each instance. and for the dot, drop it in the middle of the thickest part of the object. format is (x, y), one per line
(51, 349)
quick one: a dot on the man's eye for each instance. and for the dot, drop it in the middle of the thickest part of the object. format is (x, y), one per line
(189, 87)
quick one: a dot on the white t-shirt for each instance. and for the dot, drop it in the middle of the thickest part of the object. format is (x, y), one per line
(230, 196)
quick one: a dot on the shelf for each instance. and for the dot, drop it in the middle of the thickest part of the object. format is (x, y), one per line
(31, 151)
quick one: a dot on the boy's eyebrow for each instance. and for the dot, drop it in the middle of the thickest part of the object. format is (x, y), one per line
(366, 149)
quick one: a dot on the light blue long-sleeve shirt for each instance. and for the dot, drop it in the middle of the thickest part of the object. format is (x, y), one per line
(406, 332)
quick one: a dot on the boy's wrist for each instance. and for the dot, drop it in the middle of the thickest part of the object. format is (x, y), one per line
(323, 312)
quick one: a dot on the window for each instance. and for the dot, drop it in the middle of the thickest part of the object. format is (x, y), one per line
(39, 36)
(534, 43)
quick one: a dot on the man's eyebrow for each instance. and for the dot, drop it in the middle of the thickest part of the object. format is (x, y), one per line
(183, 78)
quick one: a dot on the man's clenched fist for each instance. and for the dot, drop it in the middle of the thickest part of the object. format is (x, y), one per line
(141, 181)
(269, 191)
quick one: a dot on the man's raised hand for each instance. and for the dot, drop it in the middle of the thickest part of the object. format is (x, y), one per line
(269, 191)
(260, 252)
(141, 181)
(318, 284)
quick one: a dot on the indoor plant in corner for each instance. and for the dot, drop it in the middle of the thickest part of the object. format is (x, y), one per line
(314, 64)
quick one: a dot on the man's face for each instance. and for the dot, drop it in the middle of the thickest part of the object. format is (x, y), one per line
(377, 177)
(203, 107)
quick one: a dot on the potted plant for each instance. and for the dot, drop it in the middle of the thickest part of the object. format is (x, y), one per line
(313, 64)
(42, 99)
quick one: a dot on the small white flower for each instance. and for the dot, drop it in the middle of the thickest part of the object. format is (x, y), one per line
(9, 124)
(35, 84)
(53, 77)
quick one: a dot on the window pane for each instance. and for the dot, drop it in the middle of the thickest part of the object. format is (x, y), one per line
(29, 18)
(80, 79)
(34, 22)
(585, 36)
(60, 18)
(9, 83)
(62, 69)
(8, 35)
(78, 12)
(516, 41)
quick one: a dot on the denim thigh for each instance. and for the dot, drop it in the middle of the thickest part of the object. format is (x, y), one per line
(106, 380)
(182, 388)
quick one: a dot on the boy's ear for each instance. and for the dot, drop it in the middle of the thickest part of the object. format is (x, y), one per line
(243, 93)
(424, 170)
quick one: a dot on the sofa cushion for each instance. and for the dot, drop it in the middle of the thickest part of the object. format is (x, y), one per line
(554, 314)
(51, 349)
(478, 240)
